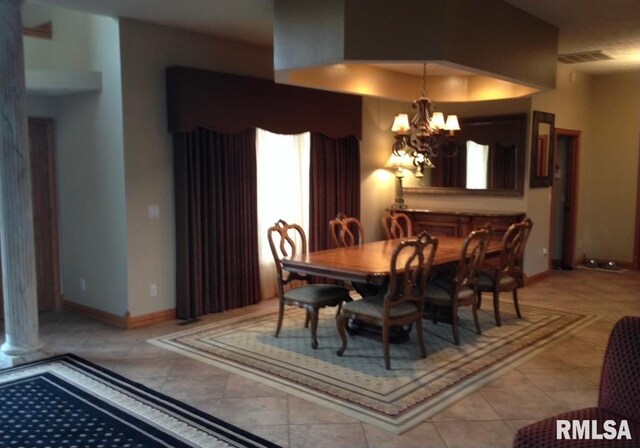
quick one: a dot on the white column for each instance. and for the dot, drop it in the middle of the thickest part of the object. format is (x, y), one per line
(16, 214)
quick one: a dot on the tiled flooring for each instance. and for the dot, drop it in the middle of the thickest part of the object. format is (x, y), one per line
(564, 377)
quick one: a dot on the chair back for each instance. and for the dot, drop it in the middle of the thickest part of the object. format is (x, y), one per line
(513, 246)
(620, 381)
(286, 241)
(346, 231)
(397, 225)
(472, 256)
(410, 268)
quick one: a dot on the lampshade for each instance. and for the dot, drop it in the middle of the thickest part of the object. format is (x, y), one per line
(401, 124)
(402, 161)
(437, 120)
(452, 123)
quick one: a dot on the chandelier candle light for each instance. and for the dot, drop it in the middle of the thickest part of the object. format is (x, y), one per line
(427, 132)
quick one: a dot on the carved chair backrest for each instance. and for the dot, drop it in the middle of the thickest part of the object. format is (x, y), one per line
(286, 241)
(472, 256)
(513, 246)
(410, 268)
(346, 231)
(397, 225)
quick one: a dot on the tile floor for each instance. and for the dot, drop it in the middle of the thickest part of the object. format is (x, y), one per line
(564, 377)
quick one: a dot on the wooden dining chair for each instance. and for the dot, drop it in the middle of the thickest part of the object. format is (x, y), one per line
(287, 240)
(508, 275)
(396, 225)
(462, 289)
(346, 231)
(403, 302)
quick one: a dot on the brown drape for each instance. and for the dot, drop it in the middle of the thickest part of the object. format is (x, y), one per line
(502, 166)
(450, 171)
(216, 221)
(230, 103)
(334, 184)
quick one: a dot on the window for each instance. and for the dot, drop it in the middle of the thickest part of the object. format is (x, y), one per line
(477, 161)
(283, 192)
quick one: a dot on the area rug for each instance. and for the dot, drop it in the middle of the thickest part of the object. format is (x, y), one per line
(357, 383)
(66, 401)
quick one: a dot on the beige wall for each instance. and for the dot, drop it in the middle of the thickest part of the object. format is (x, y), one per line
(146, 51)
(89, 159)
(611, 168)
(606, 109)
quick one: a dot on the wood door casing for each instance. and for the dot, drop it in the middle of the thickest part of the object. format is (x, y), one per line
(44, 203)
(44, 212)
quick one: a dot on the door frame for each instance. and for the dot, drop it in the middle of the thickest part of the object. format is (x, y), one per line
(571, 217)
(48, 123)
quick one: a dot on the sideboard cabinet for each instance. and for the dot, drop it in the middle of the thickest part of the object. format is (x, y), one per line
(460, 223)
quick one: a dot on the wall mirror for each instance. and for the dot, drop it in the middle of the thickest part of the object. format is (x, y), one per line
(542, 141)
(486, 157)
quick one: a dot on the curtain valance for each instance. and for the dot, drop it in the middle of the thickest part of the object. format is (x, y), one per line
(228, 103)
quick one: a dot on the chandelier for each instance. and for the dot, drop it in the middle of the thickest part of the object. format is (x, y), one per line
(427, 135)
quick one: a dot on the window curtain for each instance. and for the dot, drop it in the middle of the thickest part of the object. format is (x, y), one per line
(283, 192)
(216, 222)
(334, 184)
(502, 166)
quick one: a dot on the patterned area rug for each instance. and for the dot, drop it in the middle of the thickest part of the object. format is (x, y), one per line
(66, 402)
(357, 384)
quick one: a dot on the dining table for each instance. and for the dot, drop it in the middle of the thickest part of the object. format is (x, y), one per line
(371, 263)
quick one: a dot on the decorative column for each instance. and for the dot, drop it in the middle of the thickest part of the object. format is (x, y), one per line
(16, 214)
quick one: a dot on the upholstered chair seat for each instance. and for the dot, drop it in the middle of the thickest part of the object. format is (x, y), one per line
(317, 294)
(619, 397)
(374, 306)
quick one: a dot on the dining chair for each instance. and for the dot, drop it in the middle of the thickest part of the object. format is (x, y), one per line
(403, 303)
(461, 289)
(508, 275)
(396, 225)
(346, 231)
(287, 240)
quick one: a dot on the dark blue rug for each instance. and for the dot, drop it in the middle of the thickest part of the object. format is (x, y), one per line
(68, 402)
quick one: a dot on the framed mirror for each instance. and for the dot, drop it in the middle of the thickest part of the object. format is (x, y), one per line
(542, 149)
(486, 157)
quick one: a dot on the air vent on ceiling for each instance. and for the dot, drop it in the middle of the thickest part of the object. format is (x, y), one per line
(587, 56)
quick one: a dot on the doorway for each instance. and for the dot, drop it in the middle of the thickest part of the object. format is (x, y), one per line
(45, 213)
(564, 195)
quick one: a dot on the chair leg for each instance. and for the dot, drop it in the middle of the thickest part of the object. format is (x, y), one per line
(314, 326)
(479, 299)
(454, 325)
(341, 324)
(515, 302)
(474, 310)
(385, 346)
(496, 307)
(280, 316)
(306, 319)
(420, 336)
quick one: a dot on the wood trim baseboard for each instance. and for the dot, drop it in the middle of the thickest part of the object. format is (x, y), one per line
(536, 277)
(126, 322)
(150, 319)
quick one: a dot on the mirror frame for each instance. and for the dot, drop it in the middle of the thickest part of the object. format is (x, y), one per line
(521, 121)
(536, 181)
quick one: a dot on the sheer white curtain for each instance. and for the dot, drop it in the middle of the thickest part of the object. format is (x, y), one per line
(283, 192)
(477, 162)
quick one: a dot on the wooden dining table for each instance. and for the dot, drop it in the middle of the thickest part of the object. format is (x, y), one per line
(370, 262)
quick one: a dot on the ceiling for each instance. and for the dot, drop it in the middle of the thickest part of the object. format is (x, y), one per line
(612, 26)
